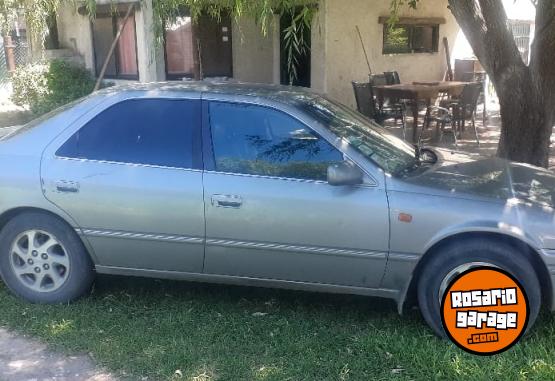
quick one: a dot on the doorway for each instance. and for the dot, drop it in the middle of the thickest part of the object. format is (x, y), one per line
(198, 50)
(303, 61)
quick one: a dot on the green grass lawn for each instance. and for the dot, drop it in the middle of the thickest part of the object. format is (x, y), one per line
(149, 328)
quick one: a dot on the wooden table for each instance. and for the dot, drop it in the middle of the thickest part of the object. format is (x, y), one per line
(417, 92)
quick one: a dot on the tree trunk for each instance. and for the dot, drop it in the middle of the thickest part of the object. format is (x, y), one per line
(526, 94)
(525, 132)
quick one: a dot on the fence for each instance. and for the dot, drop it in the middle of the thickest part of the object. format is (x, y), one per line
(521, 32)
(21, 58)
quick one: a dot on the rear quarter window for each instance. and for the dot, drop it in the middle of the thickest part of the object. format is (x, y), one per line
(160, 132)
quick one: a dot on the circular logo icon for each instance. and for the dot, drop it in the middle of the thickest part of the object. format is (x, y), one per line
(485, 310)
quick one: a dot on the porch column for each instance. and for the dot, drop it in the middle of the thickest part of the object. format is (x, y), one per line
(148, 53)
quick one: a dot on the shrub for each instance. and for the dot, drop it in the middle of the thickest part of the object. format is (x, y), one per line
(29, 84)
(44, 87)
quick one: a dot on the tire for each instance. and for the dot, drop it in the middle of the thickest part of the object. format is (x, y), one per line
(485, 252)
(55, 268)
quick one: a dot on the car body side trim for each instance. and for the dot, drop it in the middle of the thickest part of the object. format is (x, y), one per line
(404, 257)
(121, 163)
(141, 236)
(248, 281)
(231, 243)
(295, 248)
(372, 184)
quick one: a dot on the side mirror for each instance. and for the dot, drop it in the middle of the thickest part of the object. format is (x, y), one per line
(344, 173)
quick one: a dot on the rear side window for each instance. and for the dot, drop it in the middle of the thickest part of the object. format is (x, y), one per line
(160, 132)
(255, 140)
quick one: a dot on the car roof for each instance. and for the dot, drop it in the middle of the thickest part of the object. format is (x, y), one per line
(283, 94)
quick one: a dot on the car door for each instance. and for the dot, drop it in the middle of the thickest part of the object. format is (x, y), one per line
(270, 212)
(130, 177)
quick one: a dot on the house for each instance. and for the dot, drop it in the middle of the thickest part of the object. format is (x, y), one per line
(238, 49)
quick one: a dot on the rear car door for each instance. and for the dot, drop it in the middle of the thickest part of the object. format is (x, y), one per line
(130, 177)
(270, 212)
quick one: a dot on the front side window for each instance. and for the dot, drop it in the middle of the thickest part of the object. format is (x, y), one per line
(392, 154)
(157, 132)
(256, 140)
(123, 63)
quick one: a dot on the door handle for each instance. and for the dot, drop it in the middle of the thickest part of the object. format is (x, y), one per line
(227, 201)
(63, 186)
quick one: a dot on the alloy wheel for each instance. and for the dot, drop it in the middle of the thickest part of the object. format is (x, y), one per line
(39, 261)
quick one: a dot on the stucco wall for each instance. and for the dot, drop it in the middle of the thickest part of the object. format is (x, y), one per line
(253, 53)
(75, 33)
(149, 55)
(345, 60)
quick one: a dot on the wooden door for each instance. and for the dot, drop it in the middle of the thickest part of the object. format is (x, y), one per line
(215, 43)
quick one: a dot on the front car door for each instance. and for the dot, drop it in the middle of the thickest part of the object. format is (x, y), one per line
(270, 213)
(129, 175)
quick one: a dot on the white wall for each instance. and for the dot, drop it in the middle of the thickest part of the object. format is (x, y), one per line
(75, 33)
(149, 55)
(253, 53)
(345, 60)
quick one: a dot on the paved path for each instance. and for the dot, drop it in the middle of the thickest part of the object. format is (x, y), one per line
(23, 359)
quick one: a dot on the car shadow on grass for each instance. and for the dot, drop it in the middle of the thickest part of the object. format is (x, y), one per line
(168, 330)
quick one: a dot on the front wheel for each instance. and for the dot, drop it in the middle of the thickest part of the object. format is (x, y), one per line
(457, 257)
(42, 260)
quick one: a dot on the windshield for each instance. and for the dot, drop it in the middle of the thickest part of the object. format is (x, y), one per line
(392, 154)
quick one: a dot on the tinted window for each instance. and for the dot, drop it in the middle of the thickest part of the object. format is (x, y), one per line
(145, 131)
(260, 141)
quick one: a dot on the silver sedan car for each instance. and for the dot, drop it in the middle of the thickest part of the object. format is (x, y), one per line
(263, 186)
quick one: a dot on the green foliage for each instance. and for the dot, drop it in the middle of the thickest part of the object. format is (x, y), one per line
(396, 39)
(45, 87)
(396, 6)
(296, 44)
(29, 84)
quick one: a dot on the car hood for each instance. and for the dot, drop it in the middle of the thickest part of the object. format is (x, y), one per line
(491, 177)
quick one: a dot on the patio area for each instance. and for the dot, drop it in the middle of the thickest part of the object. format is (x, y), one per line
(489, 135)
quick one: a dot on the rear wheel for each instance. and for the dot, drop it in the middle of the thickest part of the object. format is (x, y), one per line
(42, 260)
(457, 257)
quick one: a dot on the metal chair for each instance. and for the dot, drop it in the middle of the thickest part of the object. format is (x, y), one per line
(378, 79)
(392, 78)
(455, 112)
(364, 99)
(367, 105)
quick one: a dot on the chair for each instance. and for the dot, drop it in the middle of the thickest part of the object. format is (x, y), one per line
(378, 79)
(455, 112)
(364, 99)
(391, 108)
(392, 77)
(367, 106)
